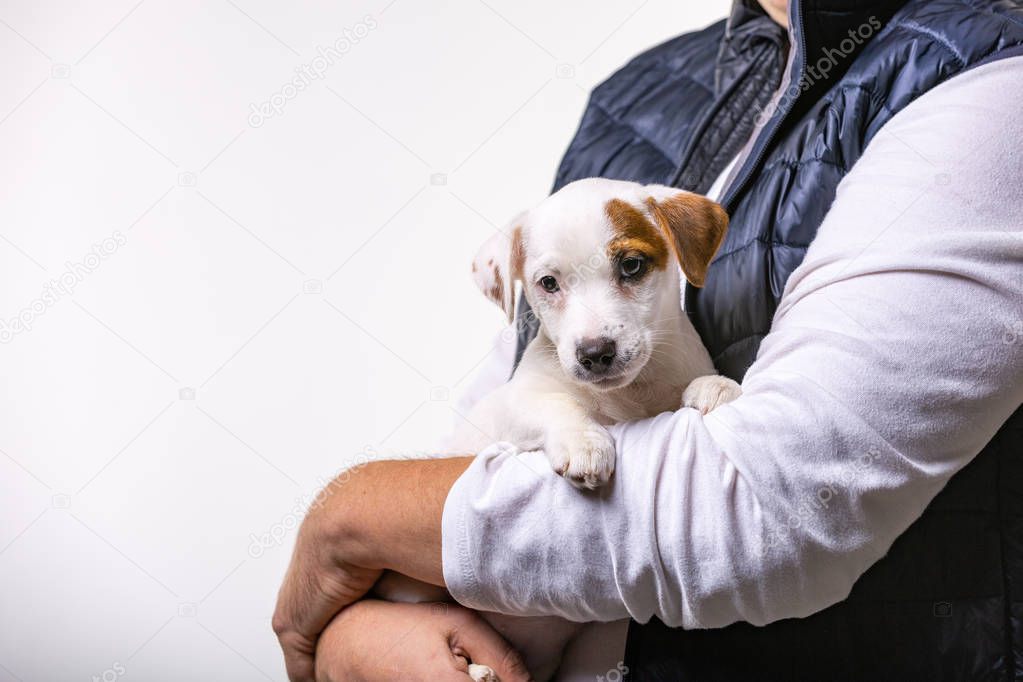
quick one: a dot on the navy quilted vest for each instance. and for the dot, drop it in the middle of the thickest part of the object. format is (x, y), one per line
(946, 603)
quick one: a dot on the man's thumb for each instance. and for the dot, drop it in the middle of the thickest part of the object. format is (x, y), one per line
(476, 641)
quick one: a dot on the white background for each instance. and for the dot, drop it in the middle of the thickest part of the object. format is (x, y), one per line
(289, 297)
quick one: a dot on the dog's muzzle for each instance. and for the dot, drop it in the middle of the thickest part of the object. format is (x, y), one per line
(596, 356)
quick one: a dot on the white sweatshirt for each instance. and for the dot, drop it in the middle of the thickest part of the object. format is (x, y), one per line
(895, 355)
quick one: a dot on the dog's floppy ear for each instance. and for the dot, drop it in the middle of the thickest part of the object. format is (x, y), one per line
(498, 265)
(694, 225)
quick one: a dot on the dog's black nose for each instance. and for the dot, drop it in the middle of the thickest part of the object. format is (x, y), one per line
(596, 355)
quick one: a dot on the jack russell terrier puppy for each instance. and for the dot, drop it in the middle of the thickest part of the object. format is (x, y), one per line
(599, 262)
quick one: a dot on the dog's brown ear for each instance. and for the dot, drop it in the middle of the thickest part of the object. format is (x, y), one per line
(694, 225)
(498, 265)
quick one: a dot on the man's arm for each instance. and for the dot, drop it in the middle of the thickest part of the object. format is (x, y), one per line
(392, 516)
(895, 355)
(386, 515)
(377, 641)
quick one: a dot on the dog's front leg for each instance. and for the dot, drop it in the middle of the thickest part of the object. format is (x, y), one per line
(708, 392)
(577, 446)
(534, 413)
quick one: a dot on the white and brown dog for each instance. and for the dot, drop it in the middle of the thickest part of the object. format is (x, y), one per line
(599, 263)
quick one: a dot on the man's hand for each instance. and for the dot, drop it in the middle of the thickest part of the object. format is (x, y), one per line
(378, 641)
(317, 585)
(386, 515)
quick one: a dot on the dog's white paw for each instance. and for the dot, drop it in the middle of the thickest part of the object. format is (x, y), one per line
(586, 456)
(482, 673)
(706, 393)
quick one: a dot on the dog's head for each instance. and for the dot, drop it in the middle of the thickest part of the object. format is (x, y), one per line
(597, 263)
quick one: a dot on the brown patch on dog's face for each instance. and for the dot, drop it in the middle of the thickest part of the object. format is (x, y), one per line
(496, 292)
(518, 251)
(635, 234)
(696, 227)
(497, 266)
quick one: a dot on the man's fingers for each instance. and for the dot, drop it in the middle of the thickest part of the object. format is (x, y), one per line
(475, 640)
(298, 657)
(297, 646)
(312, 594)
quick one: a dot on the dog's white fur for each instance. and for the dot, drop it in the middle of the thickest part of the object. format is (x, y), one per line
(554, 402)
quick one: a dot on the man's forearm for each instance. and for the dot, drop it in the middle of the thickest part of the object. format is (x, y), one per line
(389, 516)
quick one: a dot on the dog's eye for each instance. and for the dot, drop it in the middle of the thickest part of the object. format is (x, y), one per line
(633, 266)
(549, 284)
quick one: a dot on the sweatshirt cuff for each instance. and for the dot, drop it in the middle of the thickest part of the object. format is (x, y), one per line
(458, 546)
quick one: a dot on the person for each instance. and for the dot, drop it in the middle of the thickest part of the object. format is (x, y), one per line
(856, 514)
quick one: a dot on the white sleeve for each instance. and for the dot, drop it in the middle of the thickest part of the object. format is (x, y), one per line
(894, 357)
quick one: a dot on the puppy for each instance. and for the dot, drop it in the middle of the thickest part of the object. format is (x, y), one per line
(599, 262)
